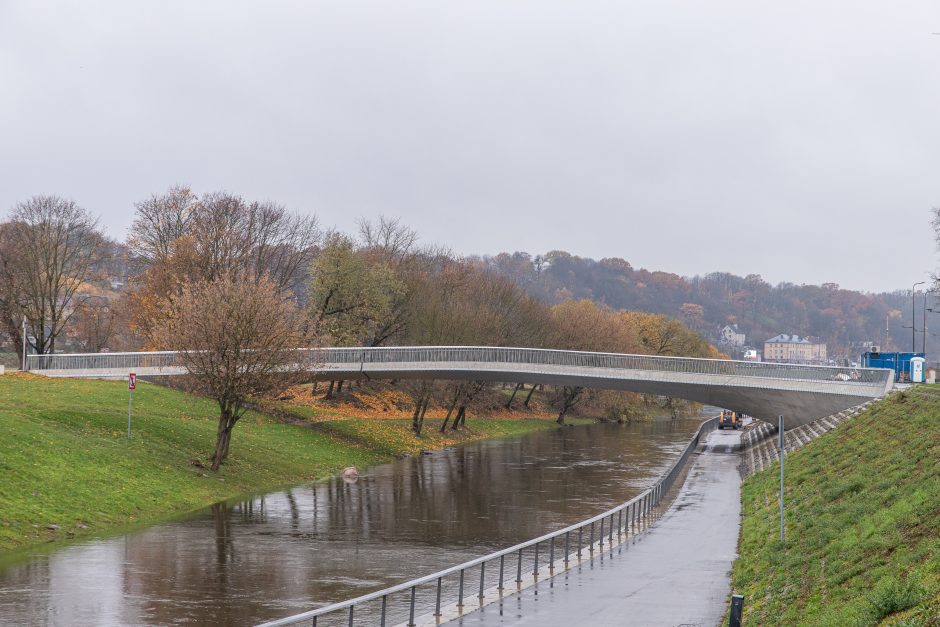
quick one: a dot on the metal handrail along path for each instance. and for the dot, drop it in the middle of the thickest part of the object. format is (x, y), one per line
(614, 521)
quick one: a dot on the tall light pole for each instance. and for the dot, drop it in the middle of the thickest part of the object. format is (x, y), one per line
(923, 344)
(913, 312)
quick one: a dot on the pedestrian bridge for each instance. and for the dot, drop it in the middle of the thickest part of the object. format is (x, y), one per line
(762, 390)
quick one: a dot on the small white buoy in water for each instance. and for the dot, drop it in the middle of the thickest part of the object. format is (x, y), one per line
(350, 474)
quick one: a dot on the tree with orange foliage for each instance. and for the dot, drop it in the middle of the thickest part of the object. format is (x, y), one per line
(238, 338)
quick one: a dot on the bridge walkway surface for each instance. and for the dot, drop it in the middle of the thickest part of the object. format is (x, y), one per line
(676, 573)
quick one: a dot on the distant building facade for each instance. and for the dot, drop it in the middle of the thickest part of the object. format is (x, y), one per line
(730, 336)
(794, 349)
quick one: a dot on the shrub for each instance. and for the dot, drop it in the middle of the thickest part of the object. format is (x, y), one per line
(892, 595)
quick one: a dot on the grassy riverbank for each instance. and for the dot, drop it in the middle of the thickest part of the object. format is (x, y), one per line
(68, 469)
(862, 524)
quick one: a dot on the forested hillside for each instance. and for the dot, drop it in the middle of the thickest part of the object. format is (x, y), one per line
(839, 317)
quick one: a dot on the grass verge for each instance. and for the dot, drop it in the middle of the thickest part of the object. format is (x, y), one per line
(862, 524)
(67, 469)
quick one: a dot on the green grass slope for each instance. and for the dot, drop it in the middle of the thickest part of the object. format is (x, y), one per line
(68, 470)
(862, 524)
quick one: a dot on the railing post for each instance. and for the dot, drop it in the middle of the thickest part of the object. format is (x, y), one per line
(551, 555)
(602, 533)
(437, 603)
(519, 568)
(567, 546)
(619, 522)
(610, 530)
(535, 568)
(502, 562)
(351, 607)
(482, 571)
(384, 607)
(411, 612)
(460, 590)
(580, 540)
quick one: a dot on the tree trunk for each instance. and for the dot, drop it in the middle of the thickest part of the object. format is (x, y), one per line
(417, 422)
(222, 438)
(570, 397)
(461, 415)
(513, 397)
(424, 410)
(529, 396)
(450, 409)
(313, 389)
(339, 388)
(329, 391)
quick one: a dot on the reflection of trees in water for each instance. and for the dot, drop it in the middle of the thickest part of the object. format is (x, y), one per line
(333, 540)
(223, 539)
(24, 588)
(472, 495)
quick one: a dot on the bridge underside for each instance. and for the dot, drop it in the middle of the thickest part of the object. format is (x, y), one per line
(800, 402)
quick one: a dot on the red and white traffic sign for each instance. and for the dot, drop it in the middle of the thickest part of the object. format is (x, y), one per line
(131, 381)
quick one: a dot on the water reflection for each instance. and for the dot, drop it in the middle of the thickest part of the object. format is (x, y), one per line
(245, 562)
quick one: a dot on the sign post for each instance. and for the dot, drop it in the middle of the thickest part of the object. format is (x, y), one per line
(782, 452)
(131, 384)
(24, 345)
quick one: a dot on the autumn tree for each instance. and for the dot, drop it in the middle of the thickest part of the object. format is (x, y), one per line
(47, 251)
(238, 337)
(387, 243)
(662, 335)
(217, 235)
(584, 325)
(351, 296)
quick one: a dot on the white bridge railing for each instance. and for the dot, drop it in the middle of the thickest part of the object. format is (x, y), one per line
(428, 356)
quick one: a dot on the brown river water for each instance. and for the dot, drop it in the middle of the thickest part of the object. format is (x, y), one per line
(249, 561)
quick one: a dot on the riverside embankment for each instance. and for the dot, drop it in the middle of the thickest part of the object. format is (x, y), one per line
(862, 528)
(69, 471)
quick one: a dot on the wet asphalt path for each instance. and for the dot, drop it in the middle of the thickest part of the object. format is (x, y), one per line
(676, 573)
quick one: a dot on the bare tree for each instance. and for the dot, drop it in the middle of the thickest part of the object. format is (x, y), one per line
(257, 239)
(238, 336)
(225, 236)
(387, 237)
(159, 222)
(218, 234)
(93, 326)
(11, 289)
(48, 251)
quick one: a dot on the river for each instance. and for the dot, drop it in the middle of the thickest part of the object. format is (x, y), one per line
(243, 562)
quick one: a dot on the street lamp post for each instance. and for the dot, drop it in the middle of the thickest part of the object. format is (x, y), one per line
(913, 313)
(931, 310)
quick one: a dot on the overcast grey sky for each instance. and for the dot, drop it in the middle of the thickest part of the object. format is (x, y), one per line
(799, 140)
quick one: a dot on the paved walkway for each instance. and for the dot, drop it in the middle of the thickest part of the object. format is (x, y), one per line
(674, 574)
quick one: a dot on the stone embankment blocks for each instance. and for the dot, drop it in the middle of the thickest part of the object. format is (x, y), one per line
(759, 439)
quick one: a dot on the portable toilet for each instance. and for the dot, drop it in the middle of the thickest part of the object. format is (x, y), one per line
(917, 369)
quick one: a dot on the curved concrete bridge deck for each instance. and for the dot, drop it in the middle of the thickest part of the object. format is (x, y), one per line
(762, 390)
